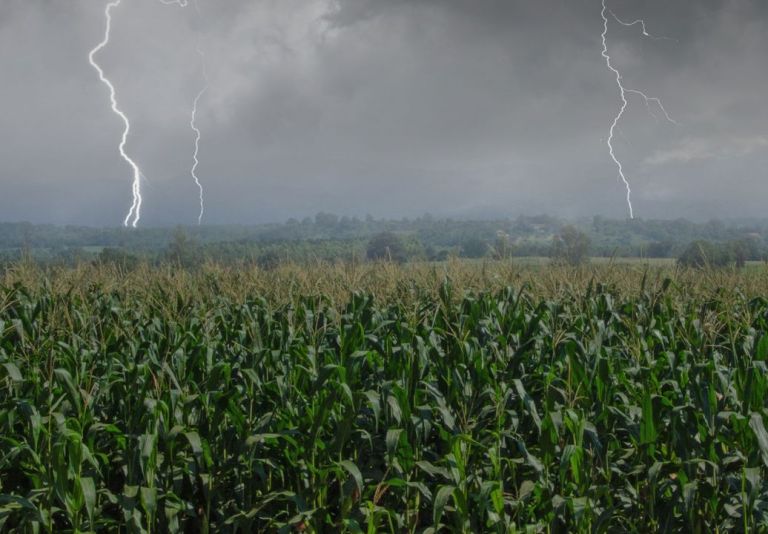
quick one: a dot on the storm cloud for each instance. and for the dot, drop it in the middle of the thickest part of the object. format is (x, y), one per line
(388, 107)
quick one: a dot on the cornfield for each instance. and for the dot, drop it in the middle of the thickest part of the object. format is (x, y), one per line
(476, 399)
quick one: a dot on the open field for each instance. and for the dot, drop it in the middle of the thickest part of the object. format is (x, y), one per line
(666, 263)
(601, 260)
(464, 397)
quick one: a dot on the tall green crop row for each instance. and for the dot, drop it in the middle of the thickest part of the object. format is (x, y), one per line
(166, 410)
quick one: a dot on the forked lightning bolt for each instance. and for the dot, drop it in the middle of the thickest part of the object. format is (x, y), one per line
(198, 135)
(624, 102)
(134, 215)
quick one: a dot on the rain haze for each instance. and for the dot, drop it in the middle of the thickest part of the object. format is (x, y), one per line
(466, 108)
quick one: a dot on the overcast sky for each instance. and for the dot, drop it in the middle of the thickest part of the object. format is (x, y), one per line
(389, 107)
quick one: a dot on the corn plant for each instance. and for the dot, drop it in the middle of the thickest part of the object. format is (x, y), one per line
(182, 407)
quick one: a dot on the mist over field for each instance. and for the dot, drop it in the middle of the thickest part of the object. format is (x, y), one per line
(474, 109)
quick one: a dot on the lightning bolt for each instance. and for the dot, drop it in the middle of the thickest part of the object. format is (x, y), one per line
(624, 102)
(198, 135)
(134, 214)
(193, 120)
(641, 22)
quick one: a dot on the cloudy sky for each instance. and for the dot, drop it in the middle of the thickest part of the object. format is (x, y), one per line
(389, 107)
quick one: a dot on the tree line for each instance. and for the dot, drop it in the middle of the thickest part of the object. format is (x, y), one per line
(328, 237)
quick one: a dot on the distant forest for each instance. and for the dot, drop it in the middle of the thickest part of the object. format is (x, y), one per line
(328, 237)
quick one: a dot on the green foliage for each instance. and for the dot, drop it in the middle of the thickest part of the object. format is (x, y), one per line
(701, 254)
(388, 247)
(570, 246)
(474, 248)
(659, 249)
(502, 249)
(269, 259)
(333, 238)
(178, 408)
(183, 251)
(118, 258)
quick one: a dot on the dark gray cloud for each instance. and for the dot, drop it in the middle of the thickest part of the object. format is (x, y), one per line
(389, 107)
